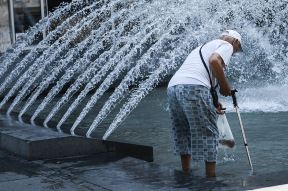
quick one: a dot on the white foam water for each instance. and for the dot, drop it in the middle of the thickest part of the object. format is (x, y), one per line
(271, 98)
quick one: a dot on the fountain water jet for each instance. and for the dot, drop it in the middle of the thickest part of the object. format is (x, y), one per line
(84, 78)
(137, 72)
(103, 71)
(93, 39)
(49, 40)
(151, 38)
(9, 57)
(82, 29)
(136, 52)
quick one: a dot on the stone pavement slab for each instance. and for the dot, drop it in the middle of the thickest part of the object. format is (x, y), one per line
(43, 184)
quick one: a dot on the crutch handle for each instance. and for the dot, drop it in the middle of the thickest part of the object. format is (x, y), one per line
(233, 94)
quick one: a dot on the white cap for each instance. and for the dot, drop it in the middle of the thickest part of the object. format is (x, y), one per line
(234, 34)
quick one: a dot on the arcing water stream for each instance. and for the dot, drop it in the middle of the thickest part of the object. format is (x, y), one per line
(139, 44)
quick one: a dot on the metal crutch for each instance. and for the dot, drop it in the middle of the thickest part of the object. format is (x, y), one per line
(241, 125)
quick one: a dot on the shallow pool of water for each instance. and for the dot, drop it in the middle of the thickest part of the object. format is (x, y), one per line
(149, 124)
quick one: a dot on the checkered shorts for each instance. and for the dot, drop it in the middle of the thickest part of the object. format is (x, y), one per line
(194, 122)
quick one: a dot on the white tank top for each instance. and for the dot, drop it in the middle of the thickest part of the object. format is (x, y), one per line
(192, 71)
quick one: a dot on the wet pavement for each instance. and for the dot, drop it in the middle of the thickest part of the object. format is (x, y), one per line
(112, 171)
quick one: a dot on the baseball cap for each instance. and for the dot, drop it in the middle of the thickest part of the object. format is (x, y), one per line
(233, 34)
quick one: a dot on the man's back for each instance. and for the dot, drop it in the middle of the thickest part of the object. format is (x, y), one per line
(193, 71)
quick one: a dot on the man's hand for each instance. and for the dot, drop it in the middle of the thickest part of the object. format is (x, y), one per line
(220, 109)
(225, 93)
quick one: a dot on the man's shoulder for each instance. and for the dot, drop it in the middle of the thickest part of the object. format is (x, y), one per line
(219, 45)
(218, 42)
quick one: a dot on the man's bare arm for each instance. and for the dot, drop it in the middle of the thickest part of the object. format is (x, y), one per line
(215, 62)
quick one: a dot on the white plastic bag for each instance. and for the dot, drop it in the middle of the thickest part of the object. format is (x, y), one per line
(225, 134)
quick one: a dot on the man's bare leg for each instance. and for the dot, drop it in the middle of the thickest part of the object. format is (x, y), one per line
(185, 161)
(210, 169)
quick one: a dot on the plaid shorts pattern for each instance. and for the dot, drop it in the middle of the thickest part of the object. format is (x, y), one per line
(194, 126)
